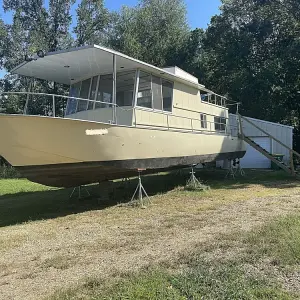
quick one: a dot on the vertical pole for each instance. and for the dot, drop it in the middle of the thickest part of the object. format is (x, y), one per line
(53, 106)
(26, 105)
(240, 125)
(168, 122)
(140, 188)
(114, 108)
(25, 111)
(292, 162)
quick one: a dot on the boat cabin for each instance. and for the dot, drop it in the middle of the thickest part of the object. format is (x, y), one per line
(110, 87)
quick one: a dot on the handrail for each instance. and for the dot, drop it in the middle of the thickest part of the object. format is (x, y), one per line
(55, 95)
(268, 134)
(210, 123)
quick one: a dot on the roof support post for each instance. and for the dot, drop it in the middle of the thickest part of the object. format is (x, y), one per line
(114, 98)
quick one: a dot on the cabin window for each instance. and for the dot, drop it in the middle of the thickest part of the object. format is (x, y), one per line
(105, 91)
(220, 124)
(84, 93)
(167, 90)
(157, 93)
(125, 87)
(203, 119)
(144, 97)
(72, 103)
(204, 97)
(93, 92)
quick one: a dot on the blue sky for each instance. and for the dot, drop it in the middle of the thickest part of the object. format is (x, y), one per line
(199, 12)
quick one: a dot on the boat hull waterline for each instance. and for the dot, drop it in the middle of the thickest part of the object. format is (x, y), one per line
(66, 152)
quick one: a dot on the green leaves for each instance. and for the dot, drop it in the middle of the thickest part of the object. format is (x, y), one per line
(153, 31)
(93, 20)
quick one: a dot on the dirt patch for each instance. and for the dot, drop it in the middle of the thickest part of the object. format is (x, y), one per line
(56, 254)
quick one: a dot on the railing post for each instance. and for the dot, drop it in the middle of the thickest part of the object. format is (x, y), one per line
(53, 105)
(114, 98)
(240, 126)
(134, 115)
(292, 162)
(26, 105)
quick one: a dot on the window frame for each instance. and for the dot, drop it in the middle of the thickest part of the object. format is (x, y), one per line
(78, 97)
(137, 91)
(220, 124)
(204, 121)
(161, 79)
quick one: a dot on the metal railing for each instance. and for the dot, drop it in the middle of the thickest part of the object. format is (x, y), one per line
(53, 105)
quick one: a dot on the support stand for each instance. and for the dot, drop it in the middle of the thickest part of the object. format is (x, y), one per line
(193, 183)
(235, 169)
(79, 192)
(140, 192)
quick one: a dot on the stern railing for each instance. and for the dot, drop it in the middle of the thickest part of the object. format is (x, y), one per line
(53, 105)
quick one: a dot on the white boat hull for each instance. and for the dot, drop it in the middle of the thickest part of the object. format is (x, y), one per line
(67, 152)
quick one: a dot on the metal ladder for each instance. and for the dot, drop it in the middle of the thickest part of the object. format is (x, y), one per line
(290, 169)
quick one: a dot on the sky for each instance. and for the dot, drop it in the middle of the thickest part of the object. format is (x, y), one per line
(199, 12)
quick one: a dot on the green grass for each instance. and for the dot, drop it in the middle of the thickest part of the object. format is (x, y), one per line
(280, 240)
(22, 200)
(17, 187)
(219, 278)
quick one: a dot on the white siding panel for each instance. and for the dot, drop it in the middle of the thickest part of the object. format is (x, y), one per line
(281, 132)
(253, 158)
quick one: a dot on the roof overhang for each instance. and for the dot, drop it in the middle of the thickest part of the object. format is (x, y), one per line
(78, 63)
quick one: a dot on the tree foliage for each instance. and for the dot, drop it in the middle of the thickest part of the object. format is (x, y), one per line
(93, 20)
(153, 31)
(254, 58)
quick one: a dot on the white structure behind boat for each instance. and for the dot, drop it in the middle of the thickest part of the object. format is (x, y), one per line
(254, 159)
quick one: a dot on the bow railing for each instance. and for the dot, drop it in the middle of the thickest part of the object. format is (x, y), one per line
(63, 106)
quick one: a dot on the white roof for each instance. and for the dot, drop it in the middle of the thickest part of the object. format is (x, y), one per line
(179, 72)
(266, 122)
(78, 63)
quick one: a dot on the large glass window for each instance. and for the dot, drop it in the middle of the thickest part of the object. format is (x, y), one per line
(167, 90)
(84, 93)
(72, 103)
(157, 93)
(144, 97)
(125, 87)
(220, 124)
(93, 92)
(105, 91)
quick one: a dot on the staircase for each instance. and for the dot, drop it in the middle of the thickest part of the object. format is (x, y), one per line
(288, 168)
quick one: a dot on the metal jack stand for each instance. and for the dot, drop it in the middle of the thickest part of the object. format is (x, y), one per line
(193, 183)
(79, 192)
(231, 171)
(235, 169)
(140, 191)
(239, 169)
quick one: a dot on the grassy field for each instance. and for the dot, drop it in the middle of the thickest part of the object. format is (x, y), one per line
(240, 240)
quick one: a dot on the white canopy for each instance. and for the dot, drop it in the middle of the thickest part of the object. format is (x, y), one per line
(78, 63)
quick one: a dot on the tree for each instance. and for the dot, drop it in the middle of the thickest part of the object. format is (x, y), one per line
(33, 28)
(92, 22)
(153, 31)
(252, 56)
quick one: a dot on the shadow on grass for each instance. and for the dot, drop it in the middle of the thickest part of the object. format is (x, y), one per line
(19, 207)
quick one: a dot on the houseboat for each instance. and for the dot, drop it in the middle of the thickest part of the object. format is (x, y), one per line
(121, 115)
